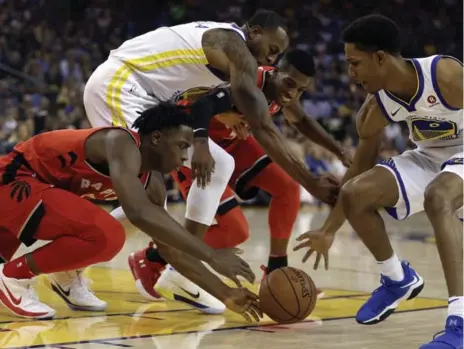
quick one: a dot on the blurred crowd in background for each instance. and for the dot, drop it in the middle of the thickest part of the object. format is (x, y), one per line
(49, 48)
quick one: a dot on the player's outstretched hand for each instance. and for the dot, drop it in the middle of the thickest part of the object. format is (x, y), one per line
(316, 241)
(325, 188)
(202, 163)
(235, 122)
(243, 302)
(227, 262)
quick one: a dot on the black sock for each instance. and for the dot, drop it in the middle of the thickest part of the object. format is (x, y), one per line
(276, 262)
(153, 256)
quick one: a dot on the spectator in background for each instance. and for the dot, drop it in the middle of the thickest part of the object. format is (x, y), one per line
(48, 49)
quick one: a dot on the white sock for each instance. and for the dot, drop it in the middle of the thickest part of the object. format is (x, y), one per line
(456, 306)
(392, 268)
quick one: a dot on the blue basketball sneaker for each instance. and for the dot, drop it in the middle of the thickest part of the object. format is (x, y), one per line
(385, 299)
(451, 338)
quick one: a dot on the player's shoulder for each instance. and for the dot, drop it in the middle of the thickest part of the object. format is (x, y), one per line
(447, 67)
(118, 135)
(370, 118)
(221, 35)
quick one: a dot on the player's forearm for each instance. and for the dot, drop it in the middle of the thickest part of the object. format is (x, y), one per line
(279, 151)
(162, 228)
(194, 270)
(337, 217)
(312, 130)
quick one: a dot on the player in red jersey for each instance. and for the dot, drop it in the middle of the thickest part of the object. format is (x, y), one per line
(254, 170)
(44, 185)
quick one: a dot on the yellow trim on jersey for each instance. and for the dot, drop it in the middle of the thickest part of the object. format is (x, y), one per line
(145, 64)
(113, 99)
(163, 59)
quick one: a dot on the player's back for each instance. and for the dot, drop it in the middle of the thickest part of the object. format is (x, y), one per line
(434, 126)
(59, 158)
(170, 60)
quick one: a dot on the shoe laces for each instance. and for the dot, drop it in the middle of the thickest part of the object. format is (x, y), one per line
(30, 291)
(82, 284)
(386, 291)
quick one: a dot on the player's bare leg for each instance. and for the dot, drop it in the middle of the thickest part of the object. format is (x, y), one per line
(362, 197)
(443, 197)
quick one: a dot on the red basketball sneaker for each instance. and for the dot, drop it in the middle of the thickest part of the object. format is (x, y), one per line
(145, 274)
(320, 293)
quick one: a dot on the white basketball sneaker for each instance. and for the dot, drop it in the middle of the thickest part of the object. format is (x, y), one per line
(173, 286)
(20, 298)
(75, 291)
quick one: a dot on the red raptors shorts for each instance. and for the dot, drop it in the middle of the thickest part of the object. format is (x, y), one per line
(29, 206)
(250, 160)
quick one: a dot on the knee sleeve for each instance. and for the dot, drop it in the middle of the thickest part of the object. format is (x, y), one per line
(202, 204)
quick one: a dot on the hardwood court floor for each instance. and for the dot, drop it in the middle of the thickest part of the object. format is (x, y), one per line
(132, 322)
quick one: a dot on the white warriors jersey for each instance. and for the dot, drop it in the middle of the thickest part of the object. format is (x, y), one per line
(170, 61)
(435, 127)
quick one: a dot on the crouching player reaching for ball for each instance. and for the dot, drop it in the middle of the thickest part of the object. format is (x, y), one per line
(44, 185)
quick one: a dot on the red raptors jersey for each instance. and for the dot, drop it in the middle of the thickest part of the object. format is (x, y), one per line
(58, 158)
(219, 132)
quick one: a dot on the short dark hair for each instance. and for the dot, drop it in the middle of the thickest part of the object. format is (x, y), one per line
(300, 60)
(163, 116)
(373, 33)
(267, 19)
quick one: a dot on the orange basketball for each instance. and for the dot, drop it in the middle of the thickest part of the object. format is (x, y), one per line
(287, 295)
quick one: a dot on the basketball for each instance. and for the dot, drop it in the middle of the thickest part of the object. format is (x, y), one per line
(287, 295)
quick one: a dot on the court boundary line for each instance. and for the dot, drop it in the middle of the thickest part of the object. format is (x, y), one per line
(132, 314)
(243, 327)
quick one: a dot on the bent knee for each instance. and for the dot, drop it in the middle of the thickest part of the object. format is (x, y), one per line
(291, 188)
(443, 194)
(437, 199)
(287, 192)
(111, 236)
(353, 196)
(242, 233)
(224, 167)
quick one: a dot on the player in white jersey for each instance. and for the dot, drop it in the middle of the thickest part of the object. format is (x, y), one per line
(427, 93)
(192, 58)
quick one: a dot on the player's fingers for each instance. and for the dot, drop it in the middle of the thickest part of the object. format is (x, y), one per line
(237, 250)
(204, 175)
(246, 316)
(194, 170)
(246, 272)
(257, 308)
(254, 314)
(302, 245)
(248, 275)
(307, 255)
(235, 279)
(317, 261)
(208, 176)
(302, 237)
(252, 295)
